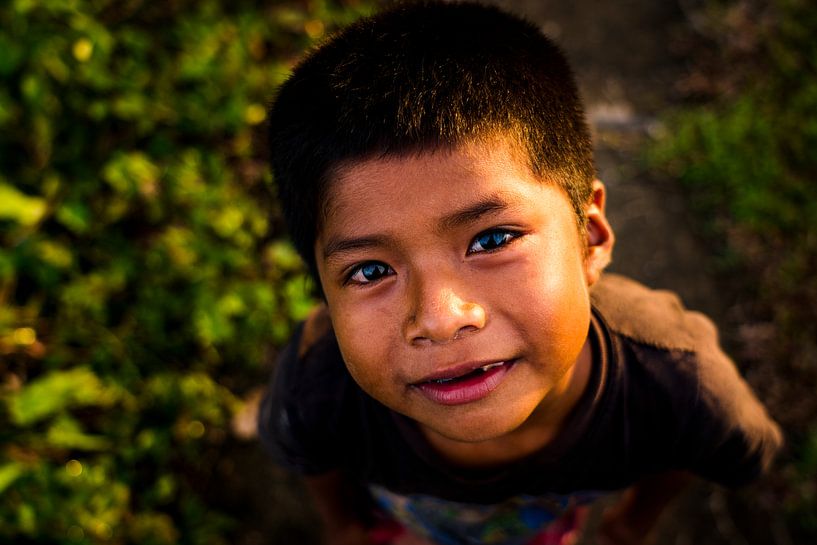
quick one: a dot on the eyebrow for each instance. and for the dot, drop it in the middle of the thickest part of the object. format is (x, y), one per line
(343, 245)
(467, 215)
(473, 212)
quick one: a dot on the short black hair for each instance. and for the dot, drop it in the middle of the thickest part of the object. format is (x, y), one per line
(416, 78)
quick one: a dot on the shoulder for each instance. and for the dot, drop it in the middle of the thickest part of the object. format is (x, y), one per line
(678, 347)
(303, 411)
(316, 328)
(310, 368)
(723, 432)
(660, 339)
(652, 317)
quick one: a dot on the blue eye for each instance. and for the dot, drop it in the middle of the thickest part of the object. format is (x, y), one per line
(491, 240)
(369, 272)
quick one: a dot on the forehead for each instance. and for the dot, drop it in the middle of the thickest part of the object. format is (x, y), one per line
(435, 179)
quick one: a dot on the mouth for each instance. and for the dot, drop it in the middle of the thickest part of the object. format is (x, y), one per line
(464, 384)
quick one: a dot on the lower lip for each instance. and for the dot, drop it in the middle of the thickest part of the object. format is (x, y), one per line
(465, 391)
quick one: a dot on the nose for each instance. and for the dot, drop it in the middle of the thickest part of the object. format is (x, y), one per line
(439, 313)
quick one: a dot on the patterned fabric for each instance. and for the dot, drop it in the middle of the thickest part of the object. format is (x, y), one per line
(522, 520)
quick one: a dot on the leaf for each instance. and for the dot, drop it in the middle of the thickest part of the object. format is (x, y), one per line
(75, 216)
(8, 474)
(19, 207)
(56, 392)
(67, 433)
(130, 172)
(11, 55)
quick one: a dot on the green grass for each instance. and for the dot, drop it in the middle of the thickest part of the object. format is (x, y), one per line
(143, 276)
(749, 165)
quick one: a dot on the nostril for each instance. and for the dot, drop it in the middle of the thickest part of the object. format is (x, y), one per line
(463, 331)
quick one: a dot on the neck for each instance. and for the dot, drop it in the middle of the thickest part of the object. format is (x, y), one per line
(539, 430)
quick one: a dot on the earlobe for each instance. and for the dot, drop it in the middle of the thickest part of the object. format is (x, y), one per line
(600, 237)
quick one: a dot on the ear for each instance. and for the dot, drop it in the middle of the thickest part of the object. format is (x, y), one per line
(600, 237)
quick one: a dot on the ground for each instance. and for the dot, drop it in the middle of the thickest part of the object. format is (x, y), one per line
(627, 61)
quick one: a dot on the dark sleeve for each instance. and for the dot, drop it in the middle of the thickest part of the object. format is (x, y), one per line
(726, 436)
(299, 418)
(687, 403)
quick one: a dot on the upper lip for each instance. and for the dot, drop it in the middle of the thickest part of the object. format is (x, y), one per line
(459, 370)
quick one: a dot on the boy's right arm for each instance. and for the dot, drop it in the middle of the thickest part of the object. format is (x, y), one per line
(296, 425)
(334, 499)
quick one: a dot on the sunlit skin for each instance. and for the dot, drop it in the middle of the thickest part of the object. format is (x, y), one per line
(457, 258)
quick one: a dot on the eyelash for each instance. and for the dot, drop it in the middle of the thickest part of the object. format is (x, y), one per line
(359, 269)
(499, 237)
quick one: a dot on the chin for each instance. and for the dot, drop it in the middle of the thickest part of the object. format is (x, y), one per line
(475, 429)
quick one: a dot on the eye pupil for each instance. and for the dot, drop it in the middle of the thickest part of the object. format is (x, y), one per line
(492, 240)
(489, 241)
(373, 271)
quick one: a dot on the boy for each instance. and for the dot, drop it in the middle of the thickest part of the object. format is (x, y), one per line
(472, 371)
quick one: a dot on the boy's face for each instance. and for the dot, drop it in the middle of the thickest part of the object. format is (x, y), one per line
(457, 284)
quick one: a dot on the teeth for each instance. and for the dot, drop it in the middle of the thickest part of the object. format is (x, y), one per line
(484, 368)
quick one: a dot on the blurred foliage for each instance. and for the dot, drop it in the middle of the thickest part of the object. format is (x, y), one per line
(142, 276)
(749, 163)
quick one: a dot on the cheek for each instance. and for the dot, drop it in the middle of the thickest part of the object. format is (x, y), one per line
(549, 287)
(365, 346)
